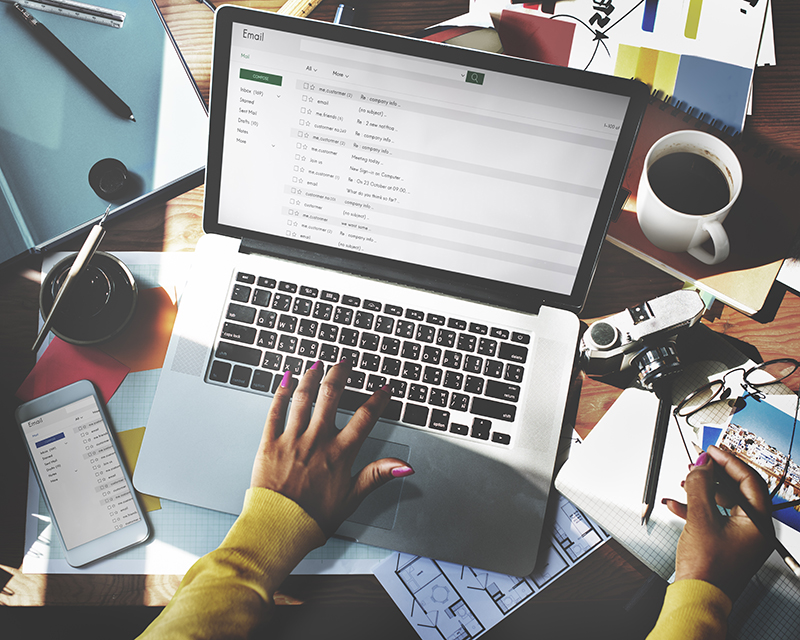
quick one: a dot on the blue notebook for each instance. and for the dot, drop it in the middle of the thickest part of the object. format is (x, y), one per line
(53, 130)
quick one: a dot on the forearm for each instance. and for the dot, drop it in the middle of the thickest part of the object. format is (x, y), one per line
(692, 610)
(230, 591)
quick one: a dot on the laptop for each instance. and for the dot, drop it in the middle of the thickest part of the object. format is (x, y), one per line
(433, 214)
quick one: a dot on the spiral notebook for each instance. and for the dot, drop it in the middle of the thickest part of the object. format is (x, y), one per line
(761, 227)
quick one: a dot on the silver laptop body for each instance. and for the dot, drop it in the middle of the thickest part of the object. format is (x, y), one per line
(366, 193)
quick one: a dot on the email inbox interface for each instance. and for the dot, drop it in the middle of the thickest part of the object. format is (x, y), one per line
(460, 169)
(81, 472)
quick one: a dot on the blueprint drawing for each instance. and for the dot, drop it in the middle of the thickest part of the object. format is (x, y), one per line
(445, 601)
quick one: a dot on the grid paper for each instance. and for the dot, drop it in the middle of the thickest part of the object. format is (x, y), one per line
(129, 407)
(768, 608)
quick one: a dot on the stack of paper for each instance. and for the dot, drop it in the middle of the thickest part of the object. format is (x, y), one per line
(701, 52)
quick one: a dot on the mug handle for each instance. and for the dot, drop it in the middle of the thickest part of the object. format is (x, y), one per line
(719, 238)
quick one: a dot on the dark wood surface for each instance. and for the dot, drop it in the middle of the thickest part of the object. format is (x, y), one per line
(610, 594)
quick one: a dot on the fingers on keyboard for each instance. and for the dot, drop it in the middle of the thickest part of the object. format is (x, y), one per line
(445, 374)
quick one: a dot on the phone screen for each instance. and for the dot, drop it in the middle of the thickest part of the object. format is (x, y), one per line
(80, 472)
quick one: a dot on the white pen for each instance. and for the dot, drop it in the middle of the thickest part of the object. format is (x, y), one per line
(81, 260)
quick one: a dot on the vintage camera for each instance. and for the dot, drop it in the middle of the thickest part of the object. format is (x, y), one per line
(642, 336)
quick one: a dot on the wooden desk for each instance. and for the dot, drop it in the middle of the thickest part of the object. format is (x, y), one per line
(356, 606)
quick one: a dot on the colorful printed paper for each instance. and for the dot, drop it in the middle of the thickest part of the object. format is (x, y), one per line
(702, 52)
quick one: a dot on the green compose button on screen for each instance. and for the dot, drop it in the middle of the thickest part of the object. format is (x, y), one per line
(260, 76)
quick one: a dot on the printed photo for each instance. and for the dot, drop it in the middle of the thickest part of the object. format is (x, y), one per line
(761, 435)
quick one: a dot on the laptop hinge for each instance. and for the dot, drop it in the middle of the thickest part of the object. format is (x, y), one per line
(259, 247)
(397, 275)
(248, 246)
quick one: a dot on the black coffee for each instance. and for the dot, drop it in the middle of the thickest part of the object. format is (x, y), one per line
(689, 183)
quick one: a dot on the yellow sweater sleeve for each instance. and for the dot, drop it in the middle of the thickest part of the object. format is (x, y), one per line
(692, 610)
(228, 592)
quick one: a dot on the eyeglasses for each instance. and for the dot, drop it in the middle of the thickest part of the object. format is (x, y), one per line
(712, 404)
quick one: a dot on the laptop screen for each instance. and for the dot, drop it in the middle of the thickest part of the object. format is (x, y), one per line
(477, 170)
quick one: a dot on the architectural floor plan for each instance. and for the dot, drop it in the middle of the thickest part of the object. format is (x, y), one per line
(445, 601)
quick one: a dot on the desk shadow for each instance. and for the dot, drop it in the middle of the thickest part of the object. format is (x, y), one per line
(91, 623)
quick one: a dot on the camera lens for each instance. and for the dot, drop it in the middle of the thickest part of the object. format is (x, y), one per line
(656, 363)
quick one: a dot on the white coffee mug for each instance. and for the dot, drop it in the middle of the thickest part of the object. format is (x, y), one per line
(674, 230)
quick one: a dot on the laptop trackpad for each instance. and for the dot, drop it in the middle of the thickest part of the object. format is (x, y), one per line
(379, 508)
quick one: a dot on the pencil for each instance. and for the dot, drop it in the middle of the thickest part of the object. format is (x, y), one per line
(74, 64)
(656, 454)
(763, 524)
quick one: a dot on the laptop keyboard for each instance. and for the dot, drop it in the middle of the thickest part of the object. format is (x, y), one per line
(445, 373)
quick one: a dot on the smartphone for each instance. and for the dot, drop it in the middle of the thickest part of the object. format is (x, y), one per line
(92, 503)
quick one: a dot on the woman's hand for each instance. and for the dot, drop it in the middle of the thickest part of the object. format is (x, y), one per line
(307, 459)
(725, 551)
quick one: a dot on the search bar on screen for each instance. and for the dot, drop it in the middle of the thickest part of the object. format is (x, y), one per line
(389, 61)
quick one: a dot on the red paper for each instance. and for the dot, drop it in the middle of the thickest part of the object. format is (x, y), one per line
(527, 36)
(62, 364)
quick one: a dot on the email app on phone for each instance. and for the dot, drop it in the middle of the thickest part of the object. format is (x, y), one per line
(75, 457)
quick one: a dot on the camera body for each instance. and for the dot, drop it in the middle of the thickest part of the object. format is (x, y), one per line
(642, 335)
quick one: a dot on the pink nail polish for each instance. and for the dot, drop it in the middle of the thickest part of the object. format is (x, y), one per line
(316, 365)
(402, 472)
(664, 500)
(287, 379)
(386, 388)
(701, 460)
